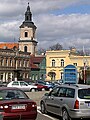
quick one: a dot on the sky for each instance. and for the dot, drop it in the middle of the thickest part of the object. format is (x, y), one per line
(66, 22)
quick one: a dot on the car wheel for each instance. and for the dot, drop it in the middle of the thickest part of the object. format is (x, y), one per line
(33, 90)
(65, 115)
(43, 89)
(50, 89)
(43, 109)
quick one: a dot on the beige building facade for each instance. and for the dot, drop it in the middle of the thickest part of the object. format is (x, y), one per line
(14, 64)
(56, 61)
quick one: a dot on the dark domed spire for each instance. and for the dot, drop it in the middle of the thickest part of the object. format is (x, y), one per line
(28, 8)
(28, 19)
(28, 14)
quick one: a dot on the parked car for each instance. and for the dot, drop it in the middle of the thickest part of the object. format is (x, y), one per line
(50, 85)
(22, 85)
(67, 101)
(15, 104)
(44, 83)
(41, 87)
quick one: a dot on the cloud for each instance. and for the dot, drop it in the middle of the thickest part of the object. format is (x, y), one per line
(68, 30)
(64, 29)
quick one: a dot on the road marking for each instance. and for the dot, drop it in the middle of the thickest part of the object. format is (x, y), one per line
(38, 110)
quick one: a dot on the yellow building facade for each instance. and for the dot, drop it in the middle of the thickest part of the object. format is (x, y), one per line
(57, 60)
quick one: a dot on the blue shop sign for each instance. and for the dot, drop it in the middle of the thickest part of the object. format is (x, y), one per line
(70, 74)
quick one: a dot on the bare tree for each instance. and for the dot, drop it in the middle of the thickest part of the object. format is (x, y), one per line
(41, 50)
(56, 47)
(72, 47)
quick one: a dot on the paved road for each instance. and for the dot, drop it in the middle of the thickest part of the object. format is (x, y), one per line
(36, 96)
(41, 116)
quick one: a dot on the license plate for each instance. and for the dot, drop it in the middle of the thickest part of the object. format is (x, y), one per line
(14, 107)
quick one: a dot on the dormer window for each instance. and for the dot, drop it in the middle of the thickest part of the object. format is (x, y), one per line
(26, 34)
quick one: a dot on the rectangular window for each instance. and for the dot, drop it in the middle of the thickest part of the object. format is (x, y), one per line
(70, 93)
(84, 93)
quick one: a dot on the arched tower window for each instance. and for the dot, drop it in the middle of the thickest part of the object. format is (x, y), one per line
(27, 17)
(62, 62)
(53, 63)
(26, 34)
(25, 49)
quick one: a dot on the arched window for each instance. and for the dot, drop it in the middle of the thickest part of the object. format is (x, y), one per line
(53, 76)
(36, 77)
(26, 34)
(11, 63)
(27, 18)
(62, 63)
(53, 63)
(1, 76)
(6, 62)
(25, 49)
(32, 76)
(2, 62)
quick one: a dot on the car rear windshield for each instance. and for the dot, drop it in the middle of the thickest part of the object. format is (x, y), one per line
(84, 93)
(12, 94)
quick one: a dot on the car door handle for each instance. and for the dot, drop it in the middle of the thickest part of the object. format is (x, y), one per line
(52, 98)
(61, 99)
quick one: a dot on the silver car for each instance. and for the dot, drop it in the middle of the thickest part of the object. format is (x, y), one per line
(22, 85)
(67, 101)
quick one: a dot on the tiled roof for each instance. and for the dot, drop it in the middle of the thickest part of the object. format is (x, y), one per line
(9, 45)
(37, 60)
(33, 66)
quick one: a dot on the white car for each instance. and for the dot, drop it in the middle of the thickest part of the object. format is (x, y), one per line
(22, 85)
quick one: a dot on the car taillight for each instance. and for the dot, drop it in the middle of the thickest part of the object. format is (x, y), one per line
(76, 105)
(34, 105)
(1, 108)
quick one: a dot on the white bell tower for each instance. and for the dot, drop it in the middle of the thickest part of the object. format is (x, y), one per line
(27, 41)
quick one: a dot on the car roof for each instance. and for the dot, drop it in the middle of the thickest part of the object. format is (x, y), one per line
(78, 86)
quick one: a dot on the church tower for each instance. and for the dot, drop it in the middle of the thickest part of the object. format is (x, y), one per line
(27, 41)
